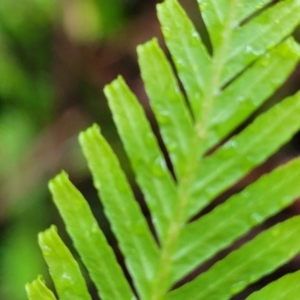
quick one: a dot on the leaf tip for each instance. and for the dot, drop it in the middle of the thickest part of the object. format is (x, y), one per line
(112, 87)
(46, 236)
(89, 135)
(58, 181)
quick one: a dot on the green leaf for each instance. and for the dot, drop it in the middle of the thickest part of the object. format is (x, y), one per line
(37, 290)
(234, 218)
(252, 54)
(287, 287)
(188, 52)
(144, 153)
(89, 240)
(237, 102)
(259, 35)
(240, 268)
(124, 213)
(216, 13)
(243, 152)
(167, 102)
(64, 269)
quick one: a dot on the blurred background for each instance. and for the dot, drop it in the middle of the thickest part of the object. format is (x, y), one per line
(55, 58)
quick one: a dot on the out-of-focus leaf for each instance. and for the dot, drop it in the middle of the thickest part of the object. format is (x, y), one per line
(37, 290)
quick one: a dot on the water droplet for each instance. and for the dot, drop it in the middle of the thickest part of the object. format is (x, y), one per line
(65, 276)
(95, 228)
(237, 287)
(275, 232)
(166, 32)
(180, 65)
(252, 278)
(250, 49)
(251, 158)
(229, 149)
(256, 219)
(158, 167)
(285, 201)
(265, 62)
(163, 117)
(203, 5)
(217, 93)
(240, 99)
(210, 192)
(195, 40)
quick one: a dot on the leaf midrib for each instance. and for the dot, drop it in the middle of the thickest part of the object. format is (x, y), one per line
(162, 282)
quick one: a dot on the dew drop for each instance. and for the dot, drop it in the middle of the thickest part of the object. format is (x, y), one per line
(275, 232)
(237, 287)
(195, 68)
(195, 40)
(180, 66)
(158, 167)
(203, 5)
(250, 49)
(256, 219)
(210, 192)
(167, 32)
(251, 158)
(95, 227)
(252, 278)
(285, 201)
(240, 99)
(217, 93)
(265, 62)
(163, 117)
(65, 276)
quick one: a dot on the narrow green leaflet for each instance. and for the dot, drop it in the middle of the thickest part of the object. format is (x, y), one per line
(167, 102)
(125, 215)
(89, 240)
(259, 35)
(144, 153)
(243, 96)
(188, 52)
(243, 152)
(252, 55)
(240, 268)
(216, 13)
(64, 269)
(235, 217)
(285, 288)
(37, 290)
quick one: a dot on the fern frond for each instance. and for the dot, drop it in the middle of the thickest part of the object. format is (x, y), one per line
(38, 290)
(253, 53)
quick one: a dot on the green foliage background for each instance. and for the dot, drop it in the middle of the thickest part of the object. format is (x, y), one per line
(48, 92)
(53, 57)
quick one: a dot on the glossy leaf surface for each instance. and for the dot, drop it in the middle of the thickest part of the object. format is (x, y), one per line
(37, 290)
(63, 268)
(89, 240)
(199, 106)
